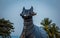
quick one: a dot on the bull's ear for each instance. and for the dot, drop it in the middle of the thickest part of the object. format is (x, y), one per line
(23, 8)
(31, 8)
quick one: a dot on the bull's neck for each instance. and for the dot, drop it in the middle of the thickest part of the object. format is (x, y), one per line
(28, 26)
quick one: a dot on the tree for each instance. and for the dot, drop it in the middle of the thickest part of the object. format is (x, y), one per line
(55, 30)
(46, 22)
(50, 28)
(6, 27)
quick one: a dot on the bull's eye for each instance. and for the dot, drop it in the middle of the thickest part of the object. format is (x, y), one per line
(25, 15)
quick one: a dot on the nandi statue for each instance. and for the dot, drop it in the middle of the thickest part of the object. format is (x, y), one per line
(30, 30)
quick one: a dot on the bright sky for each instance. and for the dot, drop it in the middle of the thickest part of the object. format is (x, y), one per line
(11, 9)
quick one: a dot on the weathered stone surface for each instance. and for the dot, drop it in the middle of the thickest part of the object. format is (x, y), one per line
(30, 30)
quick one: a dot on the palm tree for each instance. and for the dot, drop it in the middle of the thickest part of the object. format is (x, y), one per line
(46, 22)
(50, 28)
(6, 28)
(55, 30)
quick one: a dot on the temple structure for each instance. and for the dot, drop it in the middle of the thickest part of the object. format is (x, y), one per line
(30, 30)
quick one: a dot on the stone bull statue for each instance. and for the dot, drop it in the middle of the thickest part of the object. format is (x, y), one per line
(30, 30)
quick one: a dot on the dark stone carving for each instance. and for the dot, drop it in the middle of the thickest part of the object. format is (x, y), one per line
(29, 29)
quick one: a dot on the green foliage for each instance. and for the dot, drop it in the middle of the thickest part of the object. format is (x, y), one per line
(6, 27)
(50, 28)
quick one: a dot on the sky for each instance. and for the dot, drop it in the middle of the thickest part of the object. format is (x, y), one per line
(11, 9)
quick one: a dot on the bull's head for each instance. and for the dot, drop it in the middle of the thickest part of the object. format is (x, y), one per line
(27, 13)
